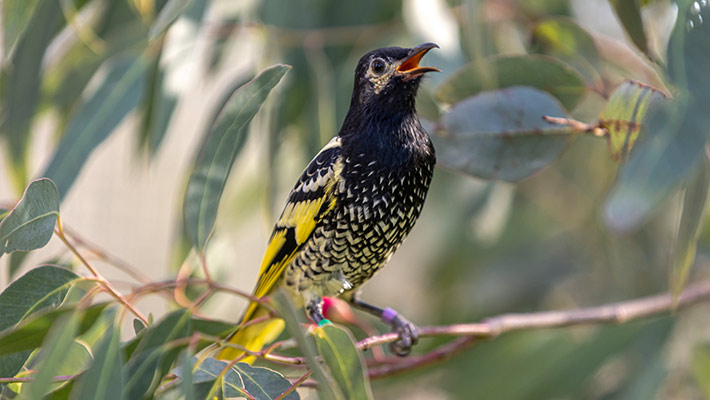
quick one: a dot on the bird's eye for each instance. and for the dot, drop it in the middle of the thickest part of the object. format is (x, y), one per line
(378, 66)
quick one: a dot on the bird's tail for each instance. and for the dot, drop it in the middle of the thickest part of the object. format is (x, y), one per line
(253, 336)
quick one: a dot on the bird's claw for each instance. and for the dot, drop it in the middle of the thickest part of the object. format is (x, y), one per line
(408, 336)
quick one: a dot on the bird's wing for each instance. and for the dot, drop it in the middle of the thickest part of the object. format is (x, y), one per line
(311, 199)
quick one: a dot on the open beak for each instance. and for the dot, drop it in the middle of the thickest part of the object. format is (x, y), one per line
(410, 66)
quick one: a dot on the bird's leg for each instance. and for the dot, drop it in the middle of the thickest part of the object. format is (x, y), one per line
(314, 310)
(408, 332)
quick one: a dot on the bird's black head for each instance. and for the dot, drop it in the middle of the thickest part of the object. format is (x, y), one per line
(388, 78)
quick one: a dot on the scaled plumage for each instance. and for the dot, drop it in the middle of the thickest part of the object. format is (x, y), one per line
(356, 201)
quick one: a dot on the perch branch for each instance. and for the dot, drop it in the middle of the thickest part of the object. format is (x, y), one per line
(469, 334)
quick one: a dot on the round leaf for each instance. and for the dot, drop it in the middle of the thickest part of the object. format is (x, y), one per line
(30, 224)
(501, 134)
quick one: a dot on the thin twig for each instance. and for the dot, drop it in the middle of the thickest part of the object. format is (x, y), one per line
(577, 126)
(100, 279)
(294, 386)
(104, 255)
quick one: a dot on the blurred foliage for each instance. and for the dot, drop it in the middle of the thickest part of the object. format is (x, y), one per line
(583, 222)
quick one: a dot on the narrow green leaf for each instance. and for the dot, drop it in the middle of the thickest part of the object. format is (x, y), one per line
(689, 53)
(264, 383)
(344, 361)
(163, 94)
(104, 377)
(168, 14)
(629, 13)
(54, 352)
(119, 94)
(327, 389)
(40, 288)
(671, 144)
(220, 146)
(30, 333)
(22, 74)
(542, 72)
(138, 326)
(501, 134)
(186, 384)
(624, 113)
(30, 224)
(684, 246)
(700, 366)
(563, 38)
(16, 16)
(151, 359)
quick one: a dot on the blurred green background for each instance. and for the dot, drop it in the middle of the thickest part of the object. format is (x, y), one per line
(481, 247)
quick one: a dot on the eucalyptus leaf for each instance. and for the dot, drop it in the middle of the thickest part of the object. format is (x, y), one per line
(700, 367)
(205, 376)
(104, 377)
(31, 222)
(38, 289)
(672, 140)
(629, 13)
(31, 25)
(327, 388)
(151, 359)
(501, 134)
(624, 113)
(684, 247)
(16, 16)
(120, 92)
(344, 361)
(669, 149)
(563, 38)
(538, 71)
(54, 353)
(30, 333)
(264, 383)
(220, 146)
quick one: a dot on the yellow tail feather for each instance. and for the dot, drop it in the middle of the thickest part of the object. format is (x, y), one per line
(253, 337)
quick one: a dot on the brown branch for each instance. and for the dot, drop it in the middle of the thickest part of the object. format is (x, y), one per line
(105, 284)
(105, 256)
(469, 334)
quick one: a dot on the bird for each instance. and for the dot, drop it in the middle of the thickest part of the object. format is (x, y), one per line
(352, 206)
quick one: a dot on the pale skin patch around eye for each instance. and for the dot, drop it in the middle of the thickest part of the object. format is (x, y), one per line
(380, 81)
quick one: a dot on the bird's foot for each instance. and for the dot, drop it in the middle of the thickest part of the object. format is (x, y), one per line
(407, 331)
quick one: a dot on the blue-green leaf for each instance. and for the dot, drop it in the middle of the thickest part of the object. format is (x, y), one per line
(344, 361)
(119, 94)
(538, 71)
(327, 388)
(104, 377)
(502, 134)
(264, 383)
(54, 352)
(220, 146)
(39, 288)
(31, 222)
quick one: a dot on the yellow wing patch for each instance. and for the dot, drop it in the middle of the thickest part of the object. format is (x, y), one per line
(299, 218)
